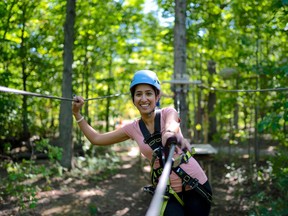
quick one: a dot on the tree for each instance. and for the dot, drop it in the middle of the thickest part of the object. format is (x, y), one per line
(211, 104)
(65, 117)
(180, 62)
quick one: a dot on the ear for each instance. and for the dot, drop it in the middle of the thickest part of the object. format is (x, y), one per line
(159, 96)
(158, 100)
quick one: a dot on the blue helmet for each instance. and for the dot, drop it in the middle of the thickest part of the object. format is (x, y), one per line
(145, 77)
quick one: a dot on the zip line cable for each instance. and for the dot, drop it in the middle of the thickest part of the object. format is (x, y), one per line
(244, 90)
(156, 203)
(107, 96)
(21, 92)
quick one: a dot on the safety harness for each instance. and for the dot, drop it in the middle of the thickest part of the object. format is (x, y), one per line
(155, 142)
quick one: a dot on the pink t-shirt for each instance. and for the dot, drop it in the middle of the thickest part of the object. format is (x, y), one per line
(192, 167)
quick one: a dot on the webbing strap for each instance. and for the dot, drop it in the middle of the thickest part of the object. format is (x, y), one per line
(168, 193)
(154, 140)
(157, 126)
(193, 183)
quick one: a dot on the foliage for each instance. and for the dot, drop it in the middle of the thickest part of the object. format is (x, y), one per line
(22, 175)
(246, 39)
(114, 38)
(273, 199)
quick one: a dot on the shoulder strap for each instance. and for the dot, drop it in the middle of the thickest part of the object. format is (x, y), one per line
(153, 140)
(157, 126)
(157, 123)
(144, 130)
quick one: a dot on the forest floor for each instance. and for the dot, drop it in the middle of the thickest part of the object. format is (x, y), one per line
(121, 193)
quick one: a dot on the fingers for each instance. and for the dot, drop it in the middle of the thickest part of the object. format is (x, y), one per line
(185, 145)
(78, 99)
(182, 143)
(77, 104)
(171, 140)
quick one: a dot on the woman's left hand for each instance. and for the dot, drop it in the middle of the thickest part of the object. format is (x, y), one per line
(181, 142)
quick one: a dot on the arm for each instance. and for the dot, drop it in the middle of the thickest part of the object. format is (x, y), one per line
(172, 128)
(90, 133)
(172, 124)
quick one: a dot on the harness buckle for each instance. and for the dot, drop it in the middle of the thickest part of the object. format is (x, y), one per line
(156, 152)
(187, 178)
(150, 189)
(194, 183)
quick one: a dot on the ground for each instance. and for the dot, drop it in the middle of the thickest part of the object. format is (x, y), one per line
(120, 194)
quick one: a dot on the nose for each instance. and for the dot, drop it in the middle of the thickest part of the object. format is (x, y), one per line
(143, 97)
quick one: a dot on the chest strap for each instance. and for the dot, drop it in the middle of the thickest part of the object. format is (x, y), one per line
(154, 140)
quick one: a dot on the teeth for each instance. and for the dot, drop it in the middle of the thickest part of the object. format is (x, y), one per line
(144, 105)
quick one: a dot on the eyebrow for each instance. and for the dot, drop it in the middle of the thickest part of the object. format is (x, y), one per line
(149, 90)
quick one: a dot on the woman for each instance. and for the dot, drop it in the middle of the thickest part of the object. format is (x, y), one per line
(188, 190)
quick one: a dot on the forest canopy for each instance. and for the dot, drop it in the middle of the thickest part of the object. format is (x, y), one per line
(113, 39)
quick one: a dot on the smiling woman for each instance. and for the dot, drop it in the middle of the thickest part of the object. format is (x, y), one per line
(155, 132)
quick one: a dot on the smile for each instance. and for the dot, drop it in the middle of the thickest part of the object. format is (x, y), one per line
(145, 105)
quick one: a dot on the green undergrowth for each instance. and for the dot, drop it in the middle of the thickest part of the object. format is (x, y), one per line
(257, 189)
(24, 179)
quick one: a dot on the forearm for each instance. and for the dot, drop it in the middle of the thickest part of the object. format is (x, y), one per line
(89, 132)
(99, 139)
(172, 127)
(172, 123)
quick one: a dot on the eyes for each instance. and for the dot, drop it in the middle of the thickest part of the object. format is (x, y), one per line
(147, 94)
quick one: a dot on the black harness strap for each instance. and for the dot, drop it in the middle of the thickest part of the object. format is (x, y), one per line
(193, 183)
(154, 140)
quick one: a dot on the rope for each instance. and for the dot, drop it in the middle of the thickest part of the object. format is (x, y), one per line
(156, 203)
(245, 90)
(107, 96)
(21, 92)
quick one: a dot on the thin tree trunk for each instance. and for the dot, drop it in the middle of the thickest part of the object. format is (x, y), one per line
(23, 53)
(65, 117)
(107, 114)
(180, 63)
(212, 128)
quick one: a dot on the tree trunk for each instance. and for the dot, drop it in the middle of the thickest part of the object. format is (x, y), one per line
(199, 119)
(180, 63)
(236, 108)
(65, 117)
(212, 128)
(23, 54)
(107, 114)
(199, 111)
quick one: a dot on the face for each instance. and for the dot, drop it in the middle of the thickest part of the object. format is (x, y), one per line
(145, 98)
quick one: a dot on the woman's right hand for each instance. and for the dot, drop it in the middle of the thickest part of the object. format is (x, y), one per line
(77, 105)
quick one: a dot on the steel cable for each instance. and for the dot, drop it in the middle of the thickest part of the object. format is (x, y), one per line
(21, 92)
(243, 90)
